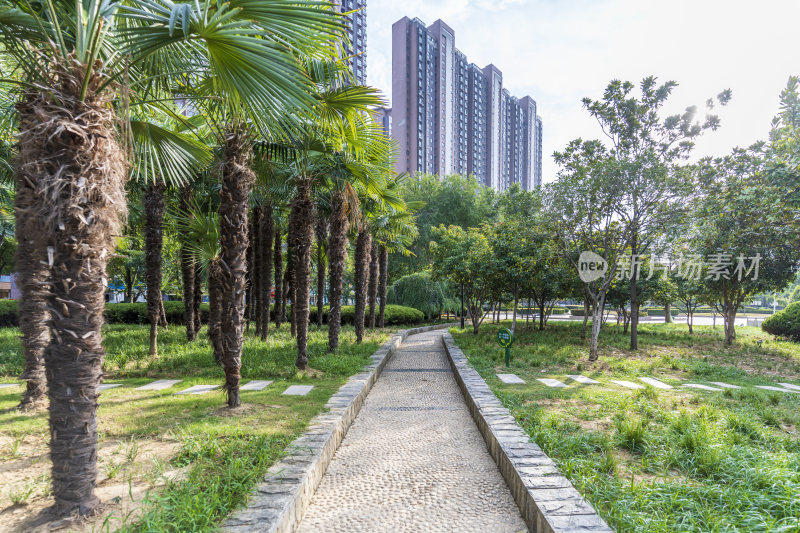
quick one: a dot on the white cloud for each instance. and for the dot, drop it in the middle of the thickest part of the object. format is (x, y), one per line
(559, 52)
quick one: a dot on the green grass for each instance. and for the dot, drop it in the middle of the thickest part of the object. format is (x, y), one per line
(653, 460)
(220, 455)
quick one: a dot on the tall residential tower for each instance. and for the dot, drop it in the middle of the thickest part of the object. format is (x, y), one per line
(356, 46)
(451, 116)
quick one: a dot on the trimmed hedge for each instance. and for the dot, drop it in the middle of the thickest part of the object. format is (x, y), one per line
(784, 323)
(659, 311)
(136, 313)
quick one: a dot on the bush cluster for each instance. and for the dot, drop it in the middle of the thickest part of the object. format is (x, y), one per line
(136, 313)
(784, 323)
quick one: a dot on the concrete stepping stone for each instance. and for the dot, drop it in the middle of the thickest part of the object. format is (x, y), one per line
(8, 385)
(198, 389)
(551, 382)
(297, 390)
(725, 385)
(790, 386)
(779, 389)
(699, 386)
(161, 384)
(106, 386)
(628, 384)
(655, 383)
(583, 379)
(255, 385)
(511, 379)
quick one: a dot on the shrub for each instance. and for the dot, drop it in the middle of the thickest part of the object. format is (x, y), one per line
(8, 313)
(136, 313)
(419, 291)
(394, 315)
(658, 311)
(784, 323)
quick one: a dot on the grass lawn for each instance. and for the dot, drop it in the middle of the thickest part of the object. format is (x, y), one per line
(656, 460)
(201, 458)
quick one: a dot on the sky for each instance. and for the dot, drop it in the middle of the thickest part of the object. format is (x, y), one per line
(560, 51)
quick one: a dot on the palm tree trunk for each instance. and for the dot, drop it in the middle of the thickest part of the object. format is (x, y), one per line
(237, 179)
(249, 265)
(372, 286)
(301, 233)
(68, 150)
(153, 239)
(267, 230)
(198, 297)
(337, 260)
(32, 274)
(322, 234)
(215, 303)
(187, 273)
(383, 265)
(290, 297)
(277, 257)
(363, 245)
(257, 281)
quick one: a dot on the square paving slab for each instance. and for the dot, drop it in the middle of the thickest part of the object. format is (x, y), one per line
(702, 387)
(583, 379)
(255, 385)
(161, 384)
(725, 385)
(106, 386)
(655, 383)
(297, 390)
(510, 379)
(198, 389)
(790, 386)
(778, 389)
(628, 384)
(551, 382)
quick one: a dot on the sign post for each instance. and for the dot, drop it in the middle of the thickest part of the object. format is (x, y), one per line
(505, 339)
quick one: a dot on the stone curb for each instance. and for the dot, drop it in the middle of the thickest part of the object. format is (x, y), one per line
(278, 503)
(547, 500)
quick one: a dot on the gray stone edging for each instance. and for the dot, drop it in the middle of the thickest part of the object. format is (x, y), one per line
(547, 500)
(278, 503)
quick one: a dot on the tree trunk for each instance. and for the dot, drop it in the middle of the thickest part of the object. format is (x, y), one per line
(514, 316)
(129, 284)
(187, 273)
(301, 235)
(277, 257)
(249, 300)
(322, 235)
(383, 276)
(689, 319)
(32, 275)
(198, 297)
(361, 267)
(597, 316)
(267, 236)
(237, 179)
(668, 313)
(154, 240)
(215, 303)
(337, 261)
(372, 283)
(257, 280)
(541, 316)
(290, 284)
(634, 292)
(68, 151)
(585, 316)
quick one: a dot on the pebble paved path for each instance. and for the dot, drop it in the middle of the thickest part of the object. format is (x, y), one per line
(413, 460)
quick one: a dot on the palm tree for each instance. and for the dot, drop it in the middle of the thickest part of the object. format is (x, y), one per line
(80, 64)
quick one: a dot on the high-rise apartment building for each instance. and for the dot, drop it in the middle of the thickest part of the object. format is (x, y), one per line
(451, 116)
(355, 49)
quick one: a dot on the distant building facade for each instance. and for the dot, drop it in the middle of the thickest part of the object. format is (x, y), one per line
(451, 116)
(355, 49)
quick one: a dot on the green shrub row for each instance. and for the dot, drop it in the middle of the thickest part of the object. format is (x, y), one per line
(136, 313)
(784, 323)
(659, 311)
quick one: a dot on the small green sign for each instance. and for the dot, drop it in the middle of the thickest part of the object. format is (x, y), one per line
(505, 338)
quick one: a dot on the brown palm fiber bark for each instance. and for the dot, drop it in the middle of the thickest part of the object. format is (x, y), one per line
(154, 239)
(372, 285)
(237, 180)
(362, 257)
(277, 257)
(187, 272)
(215, 281)
(337, 262)
(267, 231)
(198, 296)
(301, 232)
(68, 149)
(321, 233)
